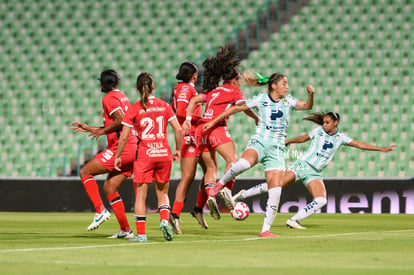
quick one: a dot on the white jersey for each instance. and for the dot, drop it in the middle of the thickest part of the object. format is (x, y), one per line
(323, 147)
(273, 117)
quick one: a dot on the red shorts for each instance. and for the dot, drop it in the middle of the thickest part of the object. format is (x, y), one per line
(189, 147)
(147, 171)
(213, 137)
(107, 158)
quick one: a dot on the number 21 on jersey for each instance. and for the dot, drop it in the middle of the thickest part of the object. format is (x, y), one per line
(150, 125)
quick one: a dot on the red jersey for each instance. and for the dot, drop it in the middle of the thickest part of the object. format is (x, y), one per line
(112, 102)
(220, 99)
(183, 92)
(151, 126)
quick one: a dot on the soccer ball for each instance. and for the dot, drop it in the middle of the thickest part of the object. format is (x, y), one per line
(240, 212)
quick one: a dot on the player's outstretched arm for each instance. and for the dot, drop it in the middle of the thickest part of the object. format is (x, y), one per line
(96, 132)
(235, 109)
(370, 147)
(79, 127)
(299, 139)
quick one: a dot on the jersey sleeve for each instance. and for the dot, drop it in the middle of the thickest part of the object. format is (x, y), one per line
(111, 104)
(345, 139)
(314, 132)
(292, 101)
(240, 97)
(169, 112)
(128, 119)
(253, 102)
(183, 97)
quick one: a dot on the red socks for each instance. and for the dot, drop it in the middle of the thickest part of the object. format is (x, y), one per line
(201, 199)
(164, 212)
(140, 222)
(118, 207)
(92, 190)
(177, 208)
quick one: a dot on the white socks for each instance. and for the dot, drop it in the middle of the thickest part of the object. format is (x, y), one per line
(271, 207)
(235, 169)
(310, 209)
(255, 190)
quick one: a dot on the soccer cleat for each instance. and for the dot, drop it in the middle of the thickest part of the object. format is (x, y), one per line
(268, 234)
(294, 224)
(139, 239)
(200, 218)
(225, 194)
(212, 205)
(175, 225)
(121, 234)
(99, 219)
(168, 235)
(238, 196)
(215, 189)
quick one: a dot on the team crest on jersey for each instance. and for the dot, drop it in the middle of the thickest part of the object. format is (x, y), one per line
(184, 88)
(182, 95)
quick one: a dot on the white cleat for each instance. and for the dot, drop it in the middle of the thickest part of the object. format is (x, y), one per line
(238, 196)
(99, 219)
(294, 224)
(212, 205)
(225, 194)
(121, 234)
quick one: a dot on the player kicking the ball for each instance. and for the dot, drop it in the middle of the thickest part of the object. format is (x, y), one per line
(325, 141)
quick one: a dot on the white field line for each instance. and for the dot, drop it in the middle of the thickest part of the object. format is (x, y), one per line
(197, 241)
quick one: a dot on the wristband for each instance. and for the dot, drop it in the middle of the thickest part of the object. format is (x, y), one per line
(188, 118)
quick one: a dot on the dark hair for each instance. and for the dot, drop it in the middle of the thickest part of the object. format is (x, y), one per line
(253, 80)
(223, 65)
(145, 82)
(186, 71)
(317, 117)
(109, 80)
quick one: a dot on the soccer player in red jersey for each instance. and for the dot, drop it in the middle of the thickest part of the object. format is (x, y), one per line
(115, 104)
(223, 66)
(183, 92)
(150, 116)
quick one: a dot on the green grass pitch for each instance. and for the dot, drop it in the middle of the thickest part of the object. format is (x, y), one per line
(58, 243)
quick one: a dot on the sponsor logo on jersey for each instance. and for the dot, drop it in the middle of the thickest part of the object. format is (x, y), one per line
(157, 152)
(107, 154)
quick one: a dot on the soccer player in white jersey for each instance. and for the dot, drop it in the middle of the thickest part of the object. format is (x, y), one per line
(325, 141)
(267, 145)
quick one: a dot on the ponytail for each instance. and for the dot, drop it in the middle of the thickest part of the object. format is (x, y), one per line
(256, 79)
(317, 117)
(222, 66)
(145, 84)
